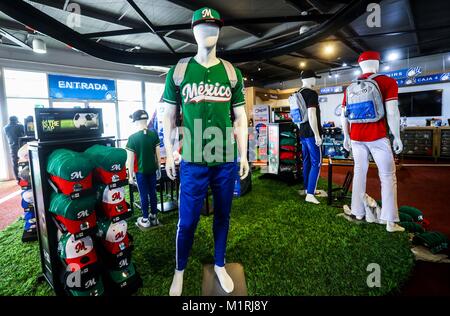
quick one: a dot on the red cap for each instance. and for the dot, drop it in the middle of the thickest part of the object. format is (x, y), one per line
(75, 227)
(67, 187)
(116, 247)
(369, 55)
(111, 210)
(108, 177)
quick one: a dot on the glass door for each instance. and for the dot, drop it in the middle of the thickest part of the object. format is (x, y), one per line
(109, 117)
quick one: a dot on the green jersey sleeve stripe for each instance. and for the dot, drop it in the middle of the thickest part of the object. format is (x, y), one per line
(128, 148)
(169, 101)
(239, 103)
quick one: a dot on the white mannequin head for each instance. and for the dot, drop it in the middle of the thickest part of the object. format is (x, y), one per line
(369, 66)
(141, 124)
(309, 82)
(206, 35)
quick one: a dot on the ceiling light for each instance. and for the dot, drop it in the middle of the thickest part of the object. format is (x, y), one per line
(39, 46)
(251, 79)
(137, 47)
(393, 56)
(336, 76)
(329, 49)
(154, 68)
(357, 72)
(387, 67)
(259, 68)
(245, 78)
(344, 65)
(302, 64)
(329, 75)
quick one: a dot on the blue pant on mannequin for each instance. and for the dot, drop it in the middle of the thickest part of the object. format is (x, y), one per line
(146, 184)
(312, 160)
(195, 179)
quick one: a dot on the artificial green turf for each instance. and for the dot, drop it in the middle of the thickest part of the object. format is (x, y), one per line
(287, 247)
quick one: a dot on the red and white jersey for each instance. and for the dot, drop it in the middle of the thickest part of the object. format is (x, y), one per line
(368, 132)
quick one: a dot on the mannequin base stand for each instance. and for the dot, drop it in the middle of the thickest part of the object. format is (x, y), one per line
(144, 229)
(211, 285)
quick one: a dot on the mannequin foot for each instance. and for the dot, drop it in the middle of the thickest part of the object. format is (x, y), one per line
(394, 227)
(311, 199)
(177, 284)
(224, 279)
(143, 222)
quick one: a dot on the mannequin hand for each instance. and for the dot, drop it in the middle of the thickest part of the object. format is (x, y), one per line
(244, 168)
(158, 174)
(346, 144)
(318, 140)
(170, 167)
(176, 157)
(397, 145)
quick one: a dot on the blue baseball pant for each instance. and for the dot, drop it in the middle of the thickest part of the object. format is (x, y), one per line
(194, 182)
(312, 160)
(146, 184)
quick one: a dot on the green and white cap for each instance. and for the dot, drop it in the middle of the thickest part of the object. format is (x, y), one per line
(206, 15)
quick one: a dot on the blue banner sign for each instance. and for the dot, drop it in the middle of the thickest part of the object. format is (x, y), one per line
(330, 90)
(436, 78)
(68, 87)
(404, 73)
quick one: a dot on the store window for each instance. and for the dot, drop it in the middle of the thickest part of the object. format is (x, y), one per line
(67, 104)
(129, 94)
(25, 90)
(153, 94)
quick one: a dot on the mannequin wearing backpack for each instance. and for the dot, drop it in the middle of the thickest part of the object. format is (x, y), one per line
(209, 90)
(305, 112)
(370, 109)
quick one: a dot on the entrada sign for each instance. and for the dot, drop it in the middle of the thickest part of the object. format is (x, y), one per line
(69, 87)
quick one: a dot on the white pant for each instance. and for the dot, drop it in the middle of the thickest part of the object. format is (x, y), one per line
(382, 154)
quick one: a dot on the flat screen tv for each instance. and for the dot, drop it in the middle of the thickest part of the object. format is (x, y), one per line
(421, 103)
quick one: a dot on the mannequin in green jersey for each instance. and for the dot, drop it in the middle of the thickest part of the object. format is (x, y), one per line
(143, 165)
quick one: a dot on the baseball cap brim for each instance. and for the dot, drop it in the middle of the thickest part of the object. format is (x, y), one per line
(217, 22)
(67, 187)
(108, 177)
(77, 226)
(116, 247)
(83, 261)
(112, 210)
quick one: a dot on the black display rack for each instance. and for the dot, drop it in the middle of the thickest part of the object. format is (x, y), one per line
(52, 266)
(51, 135)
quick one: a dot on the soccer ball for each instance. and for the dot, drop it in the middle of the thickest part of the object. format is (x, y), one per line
(85, 120)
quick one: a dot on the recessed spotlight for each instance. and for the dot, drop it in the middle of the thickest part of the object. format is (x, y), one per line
(259, 68)
(393, 56)
(329, 49)
(329, 75)
(251, 79)
(302, 64)
(336, 76)
(245, 78)
(344, 65)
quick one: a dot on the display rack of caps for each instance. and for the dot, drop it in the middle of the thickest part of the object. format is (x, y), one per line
(89, 192)
(27, 203)
(289, 149)
(116, 251)
(333, 142)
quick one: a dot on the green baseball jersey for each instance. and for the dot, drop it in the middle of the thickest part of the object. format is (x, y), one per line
(143, 144)
(207, 99)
